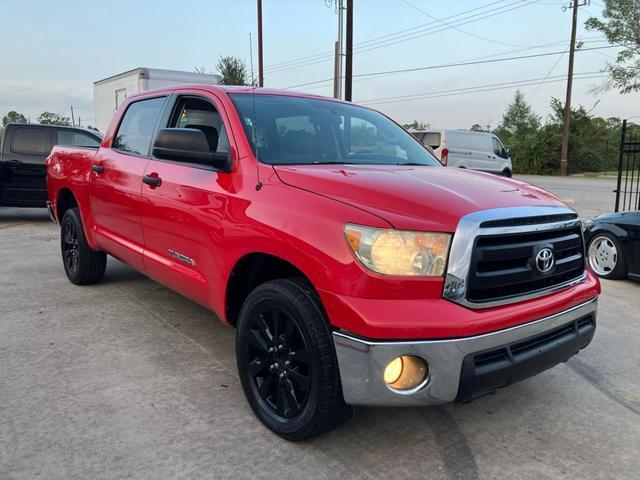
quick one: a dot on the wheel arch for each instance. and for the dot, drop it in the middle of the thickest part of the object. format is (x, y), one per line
(252, 270)
(66, 198)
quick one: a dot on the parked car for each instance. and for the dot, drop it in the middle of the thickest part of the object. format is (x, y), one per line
(354, 267)
(23, 151)
(613, 245)
(481, 151)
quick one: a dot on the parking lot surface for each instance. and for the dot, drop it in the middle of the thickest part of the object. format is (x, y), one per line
(127, 379)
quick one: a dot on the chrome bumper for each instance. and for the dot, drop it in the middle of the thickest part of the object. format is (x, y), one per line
(52, 217)
(362, 362)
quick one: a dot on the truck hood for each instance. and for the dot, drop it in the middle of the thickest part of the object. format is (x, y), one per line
(415, 198)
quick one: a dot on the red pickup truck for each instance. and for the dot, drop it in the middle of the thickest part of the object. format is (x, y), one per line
(355, 268)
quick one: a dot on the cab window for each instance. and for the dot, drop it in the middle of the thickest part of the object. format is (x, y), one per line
(200, 114)
(136, 128)
(498, 149)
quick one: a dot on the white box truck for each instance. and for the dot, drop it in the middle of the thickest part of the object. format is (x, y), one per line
(109, 93)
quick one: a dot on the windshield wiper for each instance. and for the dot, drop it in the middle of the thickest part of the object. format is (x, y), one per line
(413, 164)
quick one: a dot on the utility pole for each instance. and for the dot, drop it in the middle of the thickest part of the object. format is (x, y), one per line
(336, 73)
(348, 68)
(73, 121)
(260, 64)
(340, 45)
(567, 104)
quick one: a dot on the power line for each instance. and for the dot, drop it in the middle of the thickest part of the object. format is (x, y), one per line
(439, 20)
(592, 39)
(480, 89)
(375, 39)
(375, 44)
(459, 64)
(555, 64)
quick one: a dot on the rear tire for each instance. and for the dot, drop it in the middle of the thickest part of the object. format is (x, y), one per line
(82, 264)
(287, 362)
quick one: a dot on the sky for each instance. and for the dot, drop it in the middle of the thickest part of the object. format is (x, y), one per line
(52, 52)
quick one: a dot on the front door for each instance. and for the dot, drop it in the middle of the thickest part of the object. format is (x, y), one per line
(116, 182)
(182, 216)
(23, 175)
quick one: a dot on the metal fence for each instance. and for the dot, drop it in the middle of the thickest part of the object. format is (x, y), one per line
(628, 187)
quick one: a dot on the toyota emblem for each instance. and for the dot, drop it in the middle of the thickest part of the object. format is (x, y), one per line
(545, 260)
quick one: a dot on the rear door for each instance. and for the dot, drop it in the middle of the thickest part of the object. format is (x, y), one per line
(116, 181)
(22, 172)
(182, 216)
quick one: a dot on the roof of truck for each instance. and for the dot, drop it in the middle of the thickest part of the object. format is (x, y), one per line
(237, 89)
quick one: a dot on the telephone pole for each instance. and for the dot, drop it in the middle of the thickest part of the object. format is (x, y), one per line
(567, 104)
(340, 7)
(348, 68)
(260, 64)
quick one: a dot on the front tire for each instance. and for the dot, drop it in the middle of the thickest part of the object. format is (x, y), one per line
(287, 362)
(606, 256)
(82, 264)
(506, 173)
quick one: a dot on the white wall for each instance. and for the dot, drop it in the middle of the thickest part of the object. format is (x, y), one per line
(104, 98)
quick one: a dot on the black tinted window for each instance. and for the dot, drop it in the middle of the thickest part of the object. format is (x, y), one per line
(31, 141)
(76, 139)
(297, 130)
(137, 126)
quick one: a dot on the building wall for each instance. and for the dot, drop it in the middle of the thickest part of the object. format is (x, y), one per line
(104, 97)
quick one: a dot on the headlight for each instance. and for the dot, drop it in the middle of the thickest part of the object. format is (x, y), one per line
(397, 252)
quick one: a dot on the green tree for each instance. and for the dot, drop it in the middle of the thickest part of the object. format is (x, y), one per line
(48, 118)
(233, 71)
(621, 26)
(519, 130)
(13, 117)
(519, 119)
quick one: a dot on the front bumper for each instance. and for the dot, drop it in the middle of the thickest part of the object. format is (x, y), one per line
(462, 369)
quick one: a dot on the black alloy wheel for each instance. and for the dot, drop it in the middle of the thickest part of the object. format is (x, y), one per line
(70, 245)
(82, 264)
(287, 361)
(278, 361)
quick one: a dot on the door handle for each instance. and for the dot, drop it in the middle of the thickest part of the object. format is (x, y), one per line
(14, 162)
(97, 168)
(154, 181)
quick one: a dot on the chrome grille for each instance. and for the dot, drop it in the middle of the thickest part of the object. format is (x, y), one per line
(493, 255)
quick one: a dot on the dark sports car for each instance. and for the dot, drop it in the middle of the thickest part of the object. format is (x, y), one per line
(613, 245)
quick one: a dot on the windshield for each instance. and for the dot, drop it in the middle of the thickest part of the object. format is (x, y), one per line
(287, 130)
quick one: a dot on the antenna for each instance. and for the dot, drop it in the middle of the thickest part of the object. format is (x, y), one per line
(253, 120)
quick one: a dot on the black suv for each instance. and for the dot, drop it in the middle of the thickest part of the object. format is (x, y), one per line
(24, 149)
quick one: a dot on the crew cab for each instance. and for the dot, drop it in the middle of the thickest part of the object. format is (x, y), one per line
(355, 269)
(23, 151)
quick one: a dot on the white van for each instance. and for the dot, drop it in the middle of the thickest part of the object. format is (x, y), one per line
(466, 149)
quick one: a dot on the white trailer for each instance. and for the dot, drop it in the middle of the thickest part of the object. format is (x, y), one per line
(109, 93)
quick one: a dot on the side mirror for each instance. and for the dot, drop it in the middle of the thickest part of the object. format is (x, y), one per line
(507, 153)
(189, 145)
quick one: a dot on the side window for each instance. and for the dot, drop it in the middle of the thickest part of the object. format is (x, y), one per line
(31, 141)
(202, 115)
(76, 139)
(137, 126)
(498, 149)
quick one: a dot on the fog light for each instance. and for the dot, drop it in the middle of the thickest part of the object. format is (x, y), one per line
(405, 372)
